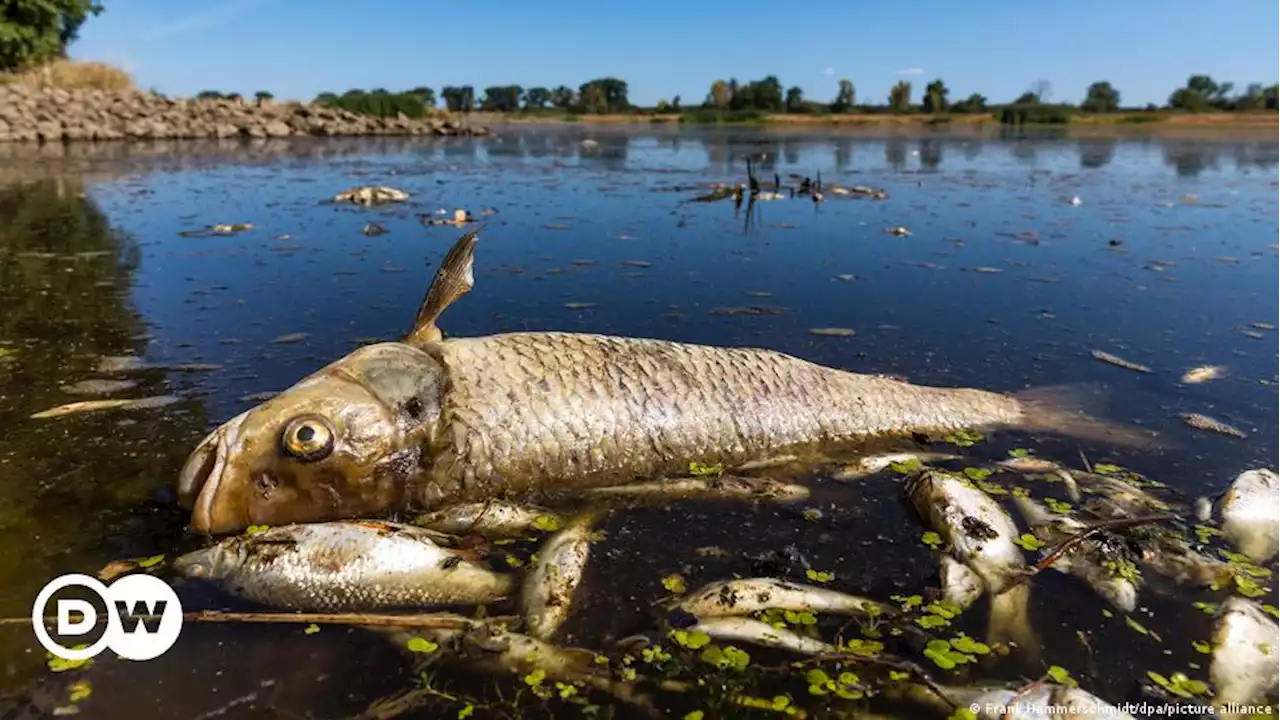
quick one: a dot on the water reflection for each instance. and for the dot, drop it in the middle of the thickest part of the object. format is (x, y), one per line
(72, 490)
(1096, 153)
(930, 154)
(1189, 159)
(895, 153)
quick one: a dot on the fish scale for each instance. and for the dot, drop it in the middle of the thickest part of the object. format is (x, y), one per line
(525, 407)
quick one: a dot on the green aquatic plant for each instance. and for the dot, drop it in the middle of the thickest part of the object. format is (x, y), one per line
(1271, 610)
(57, 664)
(725, 658)
(1059, 674)
(1201, 646)
(819, 576)
(977, 473)
(963, 713)
(910, 466)
(1204, 533)
(845, 685)
(311, 629)
(862, 647)
(1019, 453)
(700, 469)
(1123, 569)
(674, 584)
(422, 645)
(256, 529)
(1179, 684)
(1057, 506)
(932, 539)
(1027, 541)
(778, 703)
(79, 691)
(964, 438)
(991, 488)
(151, 561)
(945, 655)
(1139, 628)
(1205, 607)
(546, 523)
(691, 640)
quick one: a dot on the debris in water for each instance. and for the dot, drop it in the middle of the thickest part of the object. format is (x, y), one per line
(1118, 361)
(1204, 422)
(373, 228)
(1201, 374)
(290, 338)
(898, 231)
(831, 332)
(99, 387)
(371, 195)
(85, 406)
(752, 310)
(580, 305)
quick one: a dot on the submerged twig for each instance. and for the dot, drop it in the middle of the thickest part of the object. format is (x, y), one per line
(905, 666)
(1067, 545)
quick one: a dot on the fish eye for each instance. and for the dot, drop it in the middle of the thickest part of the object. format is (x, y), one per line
(308, 438)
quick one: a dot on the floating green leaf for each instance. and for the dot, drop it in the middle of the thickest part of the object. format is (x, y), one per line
(57, 664)
(697, 468)
(726, 658)
(313, 628)
(1271, 610)
(1202, 646)
(656, 654)
(1019, 453)
(674, 583)
(1106, 468)
(1179, 684)
(909, 466)
(421, 645)
(467, 711)
(151, 561)
(819, 575)
(80, 690)
(801, 617)
(256, 529)
(1135, 625)
(1204, 607)
(963, 713)
(991, 488)
(546, 523)
(1060, 675)
(908, 601)
(932, 539)
(1057, 506)
(963, 438)
(1027, 541)
(692, 640)
(1019, 491)
(695, 715)
(976, 473)
(865, 648)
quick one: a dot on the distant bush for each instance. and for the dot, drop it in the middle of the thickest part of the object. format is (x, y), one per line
(711, 116)
(1135, 119)
(1036, 113)
(73, 75)
(379, 103)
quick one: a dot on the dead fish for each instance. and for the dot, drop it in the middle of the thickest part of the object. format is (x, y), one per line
(1245, 643)
(1029, 464)
(748, 310)
(832, 332)
(1204, 422)
(1250, 511)
(353, 566)
(547, 598)
(371, 195)
(723, 487)
(113, 365)
(373, 229)
(290, 338)
(431, 421)
(750, 595)
(98, 387)
(1033, 703)
(1204, 373)
(1118, 361)
(872, 464)
(499, 518)
(1101, 565)
(980, 536)
(84, 406)
(898, 231)
(756, 632)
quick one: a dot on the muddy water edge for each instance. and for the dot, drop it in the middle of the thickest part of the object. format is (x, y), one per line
(1025, 253)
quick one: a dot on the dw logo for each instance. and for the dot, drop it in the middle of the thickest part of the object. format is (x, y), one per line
(143, 616)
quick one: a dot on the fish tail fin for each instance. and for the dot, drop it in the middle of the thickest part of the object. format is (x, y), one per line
(454, 279)
(1072, 411)
(1009, 622)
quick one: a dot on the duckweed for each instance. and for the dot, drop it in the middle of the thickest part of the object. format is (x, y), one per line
(1179, 684)
(1107, 468)
(256, 529)
(1057, 506)
(932, 539)
(908, 601)
(80, 690)
(421, 645)
(151, 561)
(691, 640)
(57, 664)
(964, 438)
(1019, 453)
(864, 648)
(1019, 491)
(546, 523)
(945, 656)
(657, 655)
(674, 584)
(963, 713)
(1271, 610)
(695, 715)
(1139, 627)
(700, 469)
(977, 473)
(1123, 569)
(311, 629)
(779, 703)
(725, 658)
(1204, 607)
(845, 685)
(990, 488)
(1204, 533)
(1027, 541)
(1059, 674)
(909, 466)
(1202, 646)
(820, 576)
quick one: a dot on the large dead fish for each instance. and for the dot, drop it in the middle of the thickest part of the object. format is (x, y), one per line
(430, 422)
(345, 567)
(1245, 644)
(1250, 511)
(980, 539)
(1101, 564)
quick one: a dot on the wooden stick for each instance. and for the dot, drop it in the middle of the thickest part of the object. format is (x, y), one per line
(428, 621)
(1071, 542)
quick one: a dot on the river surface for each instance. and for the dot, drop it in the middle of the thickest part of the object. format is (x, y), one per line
(1024, 255)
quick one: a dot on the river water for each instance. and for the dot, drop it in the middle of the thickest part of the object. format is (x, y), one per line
(1025, 253)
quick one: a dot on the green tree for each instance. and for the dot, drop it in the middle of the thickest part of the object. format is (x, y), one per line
(795, 99)
(459, 98)
(1101, 97)
(536, 98)
(604, 95)
(900, 97)
(34, 31)
(425, 94)
(675, 104)
(263, 96)
(1269, 96)
(562, 97)
(324, 98)
(1201, 93)
(502, 98)
(844, 97)
(935, 97)
(591, 98)
(973, 104)
(210, 95)
(720, 95)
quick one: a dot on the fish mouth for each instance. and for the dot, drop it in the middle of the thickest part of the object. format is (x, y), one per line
(200, 484)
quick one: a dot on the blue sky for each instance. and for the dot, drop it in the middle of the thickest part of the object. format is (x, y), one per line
(662, 48)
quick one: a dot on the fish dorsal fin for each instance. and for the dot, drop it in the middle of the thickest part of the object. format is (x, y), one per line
(453, 280)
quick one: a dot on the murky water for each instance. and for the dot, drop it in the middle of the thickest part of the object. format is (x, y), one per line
(1167, 260)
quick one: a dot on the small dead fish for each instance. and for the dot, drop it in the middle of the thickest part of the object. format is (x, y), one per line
(373, 229)
(872, 464)
(1245, 642)
(746, 596)
(756, 632)
(1204, 422)
(98, 387)
(898, 231)
(1118, 361)
(290, 338)
(345, 566)
(1204, 373)
(1029, 464)
(723, 487)
(113, 365)
(84, 406)
(1102, 568)
(748, 310)
(1251, 514)
(495, 517)
(581, 305)
(832, 332)
(547, 599)
(371, 195)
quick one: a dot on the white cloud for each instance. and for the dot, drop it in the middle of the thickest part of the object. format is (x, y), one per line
(911, 71)
(828, 71)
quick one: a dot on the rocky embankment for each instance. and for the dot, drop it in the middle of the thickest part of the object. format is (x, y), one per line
(50, 115)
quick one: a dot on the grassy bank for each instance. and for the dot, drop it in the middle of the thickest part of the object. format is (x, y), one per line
(72, 75)
(1161, 118)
